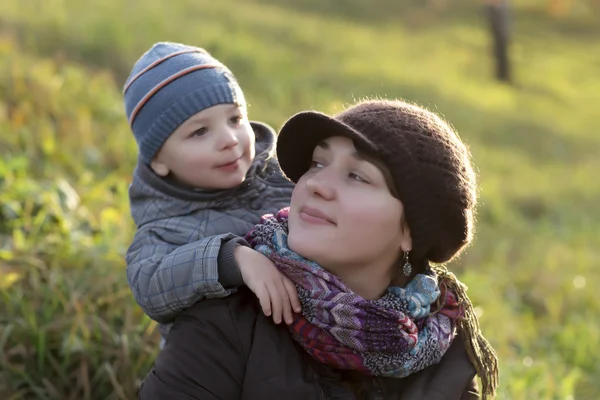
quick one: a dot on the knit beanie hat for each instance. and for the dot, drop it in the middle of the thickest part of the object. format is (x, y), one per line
(170, 83)
(429, 165)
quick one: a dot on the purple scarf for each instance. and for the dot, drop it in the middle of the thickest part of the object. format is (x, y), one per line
(394, 336)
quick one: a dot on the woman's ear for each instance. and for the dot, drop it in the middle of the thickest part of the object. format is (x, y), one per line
(405, 238)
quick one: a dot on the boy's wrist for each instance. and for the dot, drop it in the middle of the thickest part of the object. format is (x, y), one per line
(228, 268)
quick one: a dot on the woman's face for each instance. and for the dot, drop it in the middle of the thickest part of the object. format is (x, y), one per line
(342, 214)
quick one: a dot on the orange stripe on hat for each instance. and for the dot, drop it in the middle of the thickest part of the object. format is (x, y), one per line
(164, 83)
(160, 60)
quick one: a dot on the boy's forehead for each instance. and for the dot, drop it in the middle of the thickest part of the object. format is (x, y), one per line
(215, 112)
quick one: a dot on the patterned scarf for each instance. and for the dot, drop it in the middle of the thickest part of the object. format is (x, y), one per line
(394, 336)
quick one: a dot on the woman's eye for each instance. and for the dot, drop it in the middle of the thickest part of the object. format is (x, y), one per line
(198, 132)
(357, 178)
(316, 164)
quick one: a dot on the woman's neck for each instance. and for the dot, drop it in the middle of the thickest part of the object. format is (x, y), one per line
(401, 280)
(365, 282)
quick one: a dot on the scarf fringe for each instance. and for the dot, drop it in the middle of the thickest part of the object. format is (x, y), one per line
(480, 352)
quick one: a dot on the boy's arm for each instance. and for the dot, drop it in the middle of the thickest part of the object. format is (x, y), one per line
(167, 278)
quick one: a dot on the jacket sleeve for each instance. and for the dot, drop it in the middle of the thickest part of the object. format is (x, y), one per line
(168, 275)
(205, 356)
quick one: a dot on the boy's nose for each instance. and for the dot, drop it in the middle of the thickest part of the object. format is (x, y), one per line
(229, 139)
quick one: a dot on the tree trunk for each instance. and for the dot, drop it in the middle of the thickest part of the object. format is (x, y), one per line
(498, 16)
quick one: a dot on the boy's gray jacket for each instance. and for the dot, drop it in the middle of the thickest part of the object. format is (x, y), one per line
(182, 251)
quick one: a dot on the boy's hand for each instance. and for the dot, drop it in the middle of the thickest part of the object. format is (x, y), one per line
(276, 293)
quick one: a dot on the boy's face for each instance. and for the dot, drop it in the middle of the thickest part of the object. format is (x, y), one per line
(212, 149)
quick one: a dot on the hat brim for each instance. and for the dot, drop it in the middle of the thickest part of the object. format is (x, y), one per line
(303, 132)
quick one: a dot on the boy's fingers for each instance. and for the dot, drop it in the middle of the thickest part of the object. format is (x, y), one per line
(264, 300)
(275, 303)
(293, 295)
(285, 302)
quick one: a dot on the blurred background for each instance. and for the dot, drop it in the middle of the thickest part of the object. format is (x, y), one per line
(519, 80)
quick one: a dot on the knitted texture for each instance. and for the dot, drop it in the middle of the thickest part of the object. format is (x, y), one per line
(167, 85)
(429, 165)
(394, 336)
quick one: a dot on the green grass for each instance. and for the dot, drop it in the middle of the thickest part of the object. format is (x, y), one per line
(69, 328)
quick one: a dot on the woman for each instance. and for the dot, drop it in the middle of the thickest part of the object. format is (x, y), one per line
(383, 189)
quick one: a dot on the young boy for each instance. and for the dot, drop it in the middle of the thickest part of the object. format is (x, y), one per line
(204, 177)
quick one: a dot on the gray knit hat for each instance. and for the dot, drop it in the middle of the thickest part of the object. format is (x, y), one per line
(170, 83)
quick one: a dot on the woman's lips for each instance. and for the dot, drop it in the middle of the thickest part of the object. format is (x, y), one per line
(314, 216)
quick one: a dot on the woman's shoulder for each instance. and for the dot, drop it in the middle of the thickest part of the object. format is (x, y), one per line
(452, 378)
(239, 307)
(236, 336)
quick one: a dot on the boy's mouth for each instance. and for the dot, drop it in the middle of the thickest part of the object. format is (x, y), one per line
(229, 165)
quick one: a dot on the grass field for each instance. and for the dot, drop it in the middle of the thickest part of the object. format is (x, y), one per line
(69, 328)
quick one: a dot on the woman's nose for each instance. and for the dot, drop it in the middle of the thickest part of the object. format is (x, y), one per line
(321, 185)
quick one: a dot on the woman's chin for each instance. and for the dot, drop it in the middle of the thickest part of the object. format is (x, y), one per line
(304, 246)
(294, 244)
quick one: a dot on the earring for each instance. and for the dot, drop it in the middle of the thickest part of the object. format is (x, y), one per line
(406, 268)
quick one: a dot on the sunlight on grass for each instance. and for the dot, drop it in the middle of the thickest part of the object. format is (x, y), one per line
(8, 278)
(69, 327)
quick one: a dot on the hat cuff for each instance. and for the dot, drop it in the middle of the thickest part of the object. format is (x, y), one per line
(303, 132)
(179, 112)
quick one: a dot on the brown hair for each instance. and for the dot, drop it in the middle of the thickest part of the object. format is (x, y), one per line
(385, 171)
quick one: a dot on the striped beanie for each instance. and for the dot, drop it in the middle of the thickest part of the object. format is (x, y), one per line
(170, 83)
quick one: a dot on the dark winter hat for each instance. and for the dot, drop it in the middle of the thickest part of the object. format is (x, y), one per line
(429, 165)
(170, 83)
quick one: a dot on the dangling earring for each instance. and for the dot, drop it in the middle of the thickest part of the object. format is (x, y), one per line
(406, 268)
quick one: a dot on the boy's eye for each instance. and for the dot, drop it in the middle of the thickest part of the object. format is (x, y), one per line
(198, 132)
(236, 120)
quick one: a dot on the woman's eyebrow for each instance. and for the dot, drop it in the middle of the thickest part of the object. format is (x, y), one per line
(355, 154)
(323, 144)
